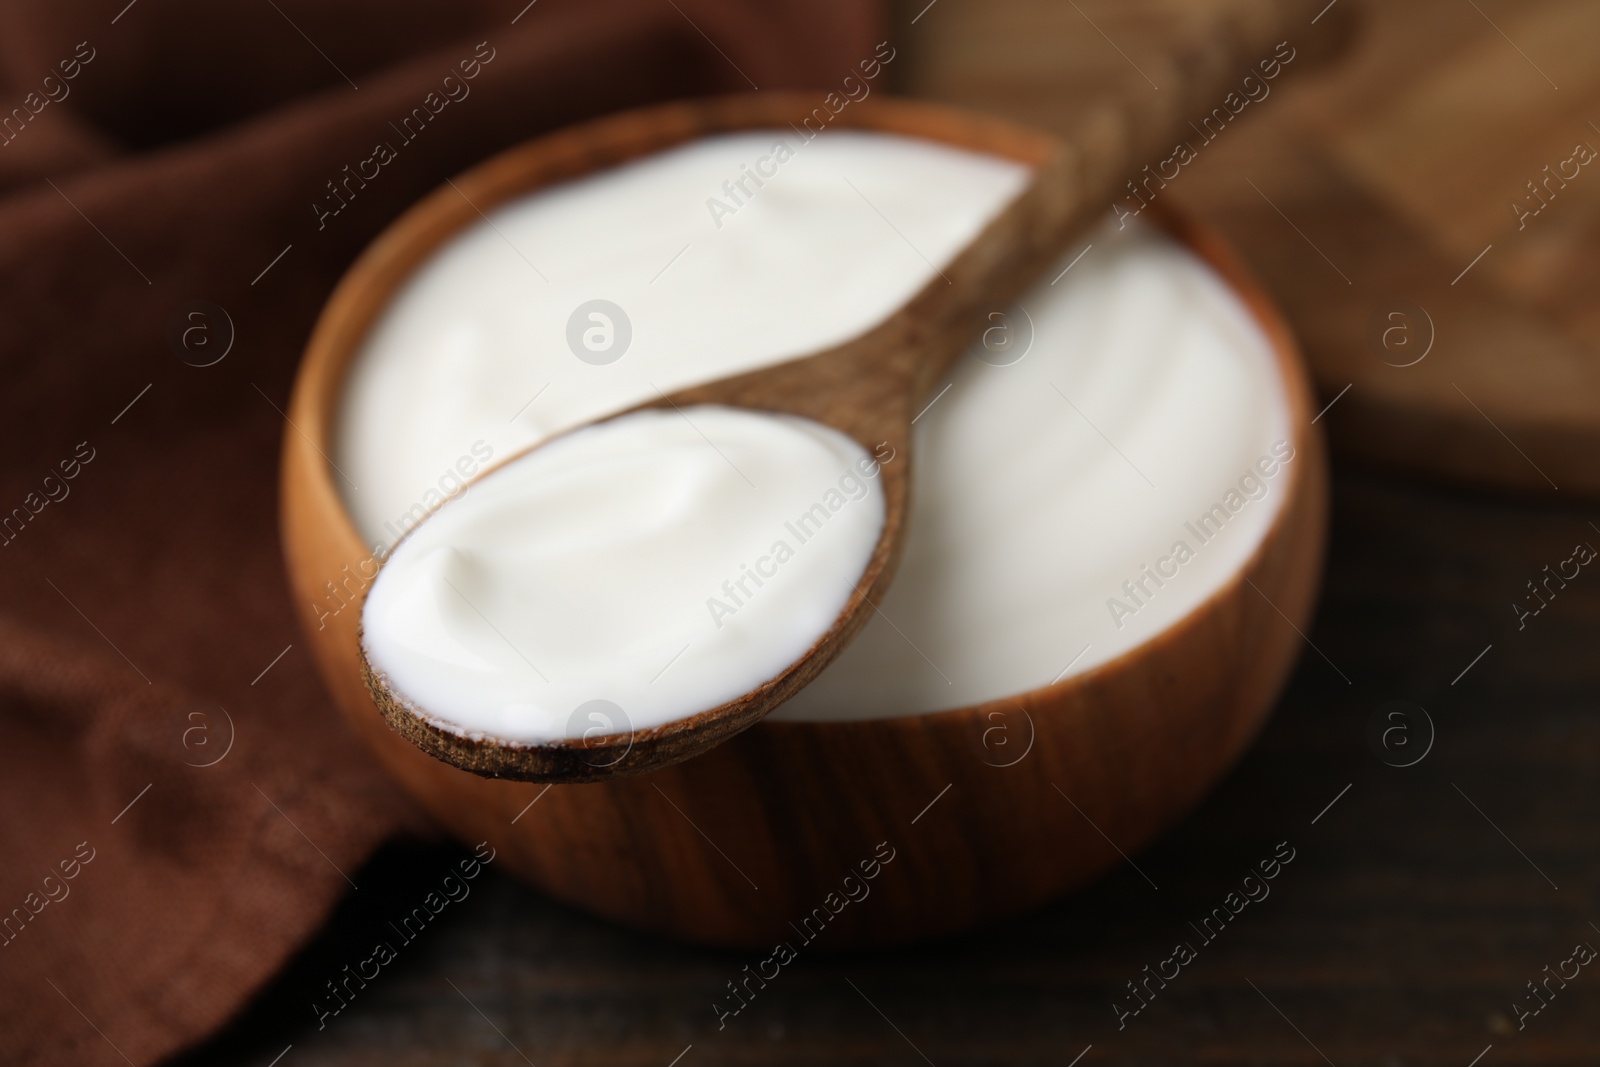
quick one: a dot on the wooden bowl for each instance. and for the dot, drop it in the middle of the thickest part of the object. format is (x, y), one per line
(791, 828)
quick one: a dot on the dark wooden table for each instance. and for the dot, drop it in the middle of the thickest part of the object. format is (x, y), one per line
(1420, 902)
(1404, 931)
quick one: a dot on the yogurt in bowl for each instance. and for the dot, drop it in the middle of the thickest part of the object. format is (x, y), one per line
(1118, 510)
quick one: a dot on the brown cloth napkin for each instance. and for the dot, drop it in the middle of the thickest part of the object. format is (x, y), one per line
(182, 805)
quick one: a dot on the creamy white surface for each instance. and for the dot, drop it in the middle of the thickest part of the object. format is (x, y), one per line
(845, 233)
(1031, 504)
(614, 563)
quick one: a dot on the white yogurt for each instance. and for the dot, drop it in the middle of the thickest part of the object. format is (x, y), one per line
(664, 562)
(1049, 494)
(472, 352)
(1041, 487)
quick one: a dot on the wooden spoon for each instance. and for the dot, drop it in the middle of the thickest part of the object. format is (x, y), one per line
(869, 388)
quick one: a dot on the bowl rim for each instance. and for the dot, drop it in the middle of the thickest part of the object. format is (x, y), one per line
(580, 150)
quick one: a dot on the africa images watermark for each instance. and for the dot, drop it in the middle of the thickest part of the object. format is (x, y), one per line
(811, 926)
(52, 90)
(12, 925)
(453, 889)
(1252, 90)
(351, 583)
(1255, 890)
(765, 167)
(453, 89)
(1582, 554)
(55, 490)
(802, 528)
(1583, 954)
(1552, 182)
(1253, 485)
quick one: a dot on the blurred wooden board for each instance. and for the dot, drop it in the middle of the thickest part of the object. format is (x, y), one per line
(1454, 145)
(1373, 193)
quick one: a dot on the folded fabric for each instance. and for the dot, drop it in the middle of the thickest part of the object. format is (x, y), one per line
(183, 806)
